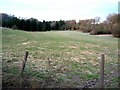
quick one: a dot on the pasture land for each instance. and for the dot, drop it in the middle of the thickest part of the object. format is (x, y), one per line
(58, 59)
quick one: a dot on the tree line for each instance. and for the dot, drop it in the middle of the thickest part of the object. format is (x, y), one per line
(31, 24)
(93, 26)
(110, 26)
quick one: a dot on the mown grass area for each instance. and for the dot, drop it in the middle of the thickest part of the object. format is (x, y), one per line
(57, 58)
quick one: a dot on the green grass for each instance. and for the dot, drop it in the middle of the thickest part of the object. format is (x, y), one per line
(70, 53)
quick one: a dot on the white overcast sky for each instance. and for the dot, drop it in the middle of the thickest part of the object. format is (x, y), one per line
(59, 9)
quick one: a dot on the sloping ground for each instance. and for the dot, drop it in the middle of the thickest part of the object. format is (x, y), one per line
(58, 59)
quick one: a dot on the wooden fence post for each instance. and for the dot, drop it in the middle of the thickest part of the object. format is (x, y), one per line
(24, 62)
(102, 71)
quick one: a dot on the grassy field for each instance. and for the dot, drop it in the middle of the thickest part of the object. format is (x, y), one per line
(58, 59)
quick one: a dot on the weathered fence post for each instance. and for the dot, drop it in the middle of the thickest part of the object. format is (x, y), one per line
(24, 62)
(102, 71)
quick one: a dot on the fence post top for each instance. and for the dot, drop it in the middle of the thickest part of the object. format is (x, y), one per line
(102, 53)
(26, 51)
